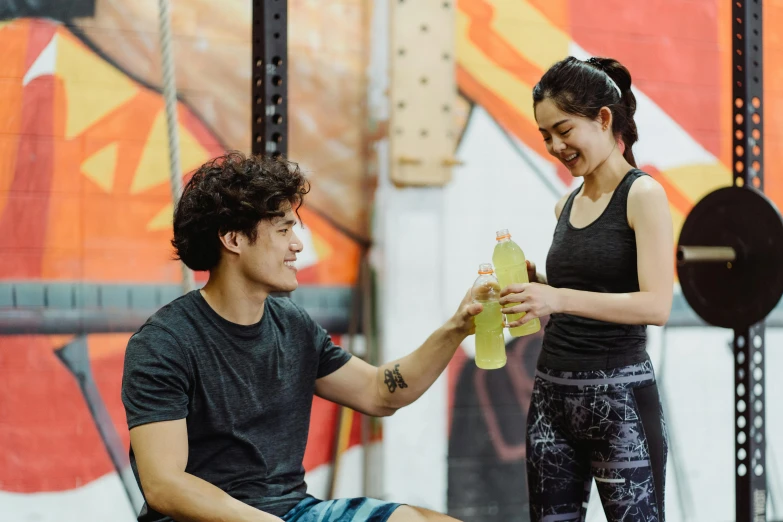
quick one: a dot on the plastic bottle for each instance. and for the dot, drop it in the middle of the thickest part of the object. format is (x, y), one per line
(511, 268)
(490, 344)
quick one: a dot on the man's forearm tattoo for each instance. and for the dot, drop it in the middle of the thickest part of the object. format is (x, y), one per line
(393, 379)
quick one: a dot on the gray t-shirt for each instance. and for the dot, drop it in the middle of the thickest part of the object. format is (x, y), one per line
(244, 391)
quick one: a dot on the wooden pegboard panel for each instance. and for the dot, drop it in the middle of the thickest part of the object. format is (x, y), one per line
(423, 91)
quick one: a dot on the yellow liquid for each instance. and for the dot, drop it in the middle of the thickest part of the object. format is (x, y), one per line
(490, 345)
(510, 268)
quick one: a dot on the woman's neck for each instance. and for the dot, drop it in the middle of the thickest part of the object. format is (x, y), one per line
(607, 176)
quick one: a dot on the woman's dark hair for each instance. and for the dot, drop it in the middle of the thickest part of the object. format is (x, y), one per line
(583, 88)
(232, 193)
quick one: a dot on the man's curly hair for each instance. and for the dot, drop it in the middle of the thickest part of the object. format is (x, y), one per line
(232, 193)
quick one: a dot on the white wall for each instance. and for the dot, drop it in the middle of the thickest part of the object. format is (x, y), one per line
(408, 257)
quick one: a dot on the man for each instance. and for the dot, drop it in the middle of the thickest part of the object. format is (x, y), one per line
(218, 384)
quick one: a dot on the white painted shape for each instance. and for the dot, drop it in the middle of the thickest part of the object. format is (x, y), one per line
(318, 480)
(546, 165)
(44, 65)
(495, 189)
(349, 480)
(408, 258)
(308, 256)
(415, 438)
(101, 500)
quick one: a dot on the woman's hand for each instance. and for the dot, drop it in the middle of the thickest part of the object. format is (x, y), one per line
(533, 299)
(531, 272)
(532, 275)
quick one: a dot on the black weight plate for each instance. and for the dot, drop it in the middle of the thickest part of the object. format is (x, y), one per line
(744, 292)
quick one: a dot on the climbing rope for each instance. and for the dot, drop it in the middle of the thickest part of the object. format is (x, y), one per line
(170, 96)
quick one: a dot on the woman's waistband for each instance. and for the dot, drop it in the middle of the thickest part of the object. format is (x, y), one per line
(630, 376)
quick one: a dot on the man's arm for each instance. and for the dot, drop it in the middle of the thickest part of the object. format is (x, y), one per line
(382, 391)
(161, 451)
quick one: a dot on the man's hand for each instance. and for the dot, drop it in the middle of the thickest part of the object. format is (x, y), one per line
(462, 322)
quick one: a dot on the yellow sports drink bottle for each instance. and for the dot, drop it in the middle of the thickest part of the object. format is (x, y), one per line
(490, 345)
(511, 268)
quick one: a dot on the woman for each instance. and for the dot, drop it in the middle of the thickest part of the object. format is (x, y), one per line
(595, 411)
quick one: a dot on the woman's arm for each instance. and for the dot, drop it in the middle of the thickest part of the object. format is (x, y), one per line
(650, 218)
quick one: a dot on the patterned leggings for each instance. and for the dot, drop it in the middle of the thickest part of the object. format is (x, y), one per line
(604, 425)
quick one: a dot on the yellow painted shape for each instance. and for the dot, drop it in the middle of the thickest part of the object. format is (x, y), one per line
(677, 221)
(530, 32)
(697, 180)
(154, 165)
(163, 220)
(505, 86)
(100, 167)
(93, 88)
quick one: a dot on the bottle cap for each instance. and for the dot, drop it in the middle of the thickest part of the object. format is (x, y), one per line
(485, 268)
(502, 234)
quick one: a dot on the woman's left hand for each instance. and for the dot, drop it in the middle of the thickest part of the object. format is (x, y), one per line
(533, 299)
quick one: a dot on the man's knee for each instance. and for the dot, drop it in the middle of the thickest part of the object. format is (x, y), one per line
(417, 514)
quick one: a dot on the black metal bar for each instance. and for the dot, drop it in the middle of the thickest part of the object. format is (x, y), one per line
(54, 9)
(84, 322)
(750, 432)
(75, 358)
(76, 308)
(270, 77)
(705, 254)
(748, 155)
(328, 305)
(748, 94)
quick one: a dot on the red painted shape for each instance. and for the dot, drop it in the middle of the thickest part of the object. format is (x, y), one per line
(676, 198)
(320, 440)
(40, 35)
(54, 443)
(453, 371)
(671, 49)
(23, 221)
(107, 372)
(323, 429)
(49, 438)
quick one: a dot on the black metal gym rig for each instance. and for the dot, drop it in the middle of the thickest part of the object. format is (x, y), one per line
(730, 259)
(270, 77)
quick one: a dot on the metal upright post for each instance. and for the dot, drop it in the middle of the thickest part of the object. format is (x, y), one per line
(270, 77)
(747, 103)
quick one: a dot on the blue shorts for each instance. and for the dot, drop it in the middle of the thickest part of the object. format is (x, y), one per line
(361, 509)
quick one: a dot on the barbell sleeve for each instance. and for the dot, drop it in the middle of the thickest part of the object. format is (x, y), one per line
(706, 254)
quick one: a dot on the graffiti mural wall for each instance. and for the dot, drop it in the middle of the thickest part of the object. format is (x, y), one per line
(85, 201)
(85, 204)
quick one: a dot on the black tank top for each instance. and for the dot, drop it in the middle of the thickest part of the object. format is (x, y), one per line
(600, 257)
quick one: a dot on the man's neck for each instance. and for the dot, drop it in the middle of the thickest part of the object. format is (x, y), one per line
(234, 300)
